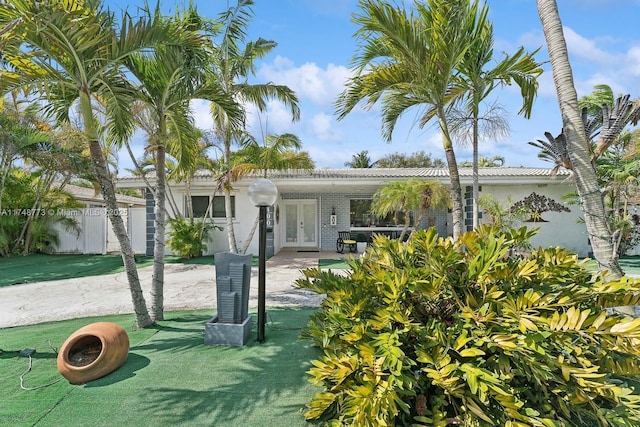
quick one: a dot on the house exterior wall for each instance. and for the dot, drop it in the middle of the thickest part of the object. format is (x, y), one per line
(561, 229)
(333, 190)
(94, 229)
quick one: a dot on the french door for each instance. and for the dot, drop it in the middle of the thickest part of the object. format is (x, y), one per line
(300, 223)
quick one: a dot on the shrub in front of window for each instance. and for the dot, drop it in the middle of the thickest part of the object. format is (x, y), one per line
(188, 237)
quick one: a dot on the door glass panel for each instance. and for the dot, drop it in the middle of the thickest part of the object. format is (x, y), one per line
(291, 223)
(309, 219)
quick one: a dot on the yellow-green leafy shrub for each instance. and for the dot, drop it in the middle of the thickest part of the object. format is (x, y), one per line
(433, 332)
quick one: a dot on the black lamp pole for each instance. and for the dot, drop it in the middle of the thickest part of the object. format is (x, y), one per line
(262, 255)
(262, 193)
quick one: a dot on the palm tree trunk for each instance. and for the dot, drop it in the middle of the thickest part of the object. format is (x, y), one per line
(228, 212)
(233, 246)
(476, 183)
(245, 247)
(157, 277)
(454, 177)
(109, 194)
(577, 141)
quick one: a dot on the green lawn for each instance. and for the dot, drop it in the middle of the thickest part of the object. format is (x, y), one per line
(40, 267)
(170, 377)
(334, 264)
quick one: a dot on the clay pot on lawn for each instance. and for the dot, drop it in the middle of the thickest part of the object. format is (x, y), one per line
(92, 352)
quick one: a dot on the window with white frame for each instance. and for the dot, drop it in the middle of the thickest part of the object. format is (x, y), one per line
(200, 205)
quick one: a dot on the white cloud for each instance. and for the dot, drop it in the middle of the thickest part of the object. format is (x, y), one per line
(584, 48)
(323, 128)
(633, 61)
(309, 81)
(275, 120)
(202, 114)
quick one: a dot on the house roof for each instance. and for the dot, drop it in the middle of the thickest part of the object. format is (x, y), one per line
(369, 179)
(408, 173)
(383, 173)
(89, 194)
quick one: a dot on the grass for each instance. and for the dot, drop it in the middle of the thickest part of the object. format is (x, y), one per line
(339, 263)
(170, 377)
(40, 267)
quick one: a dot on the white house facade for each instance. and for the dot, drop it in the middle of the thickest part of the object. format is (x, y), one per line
(314, 205)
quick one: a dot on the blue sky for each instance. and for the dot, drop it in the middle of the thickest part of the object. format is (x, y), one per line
(315, 47)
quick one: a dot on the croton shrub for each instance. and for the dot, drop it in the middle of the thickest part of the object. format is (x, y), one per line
(433, 332)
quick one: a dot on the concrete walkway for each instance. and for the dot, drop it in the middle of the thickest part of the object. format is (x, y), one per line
(187, 286)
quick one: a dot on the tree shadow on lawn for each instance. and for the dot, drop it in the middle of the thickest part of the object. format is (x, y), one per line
(226, 385)
(134, 363)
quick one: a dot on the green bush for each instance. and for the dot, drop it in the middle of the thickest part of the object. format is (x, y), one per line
(188, 237)
(433, 332)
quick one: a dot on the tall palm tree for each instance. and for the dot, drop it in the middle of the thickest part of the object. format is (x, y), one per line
(479, 79)
(577, 141)
(234, 63)
(360, 160)
(409, 59)
(412, 195)
(168, 81)
(279, 152)
(69, 52)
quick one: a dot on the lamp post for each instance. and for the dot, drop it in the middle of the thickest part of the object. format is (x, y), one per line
(262, 193)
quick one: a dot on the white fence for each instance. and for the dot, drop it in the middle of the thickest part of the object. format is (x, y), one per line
(96, 234)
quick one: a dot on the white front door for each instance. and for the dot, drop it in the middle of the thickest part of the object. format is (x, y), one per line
(300, 223)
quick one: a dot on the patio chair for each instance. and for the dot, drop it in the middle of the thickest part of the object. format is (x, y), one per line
(344, 239)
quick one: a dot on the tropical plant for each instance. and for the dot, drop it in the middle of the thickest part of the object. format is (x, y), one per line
(419, 159)
(361, 160)
(618, 169)
(18, 137)
(577, 141)
(70, 53)
(188, 236)
(405, 197)
(234, 62)
(168, 81)
(437, 332)
(503, 215)
(407, 59)
(485, 162)
(479, 77)
(32, 205)
(280, 152)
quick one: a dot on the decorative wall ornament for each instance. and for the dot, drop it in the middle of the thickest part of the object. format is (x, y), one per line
(538, 204)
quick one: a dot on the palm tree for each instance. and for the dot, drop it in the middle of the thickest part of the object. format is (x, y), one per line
(361, 161)
(70, 52)
(279, 152)
(408, 196)
(484, 162)
(169, 80)
(234, 62)
(478, 79)
(577, 141)
(411, 59)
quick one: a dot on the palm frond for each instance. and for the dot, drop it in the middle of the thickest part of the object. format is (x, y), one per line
(554, 150)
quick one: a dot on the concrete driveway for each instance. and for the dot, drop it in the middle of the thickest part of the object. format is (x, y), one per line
(187, 286)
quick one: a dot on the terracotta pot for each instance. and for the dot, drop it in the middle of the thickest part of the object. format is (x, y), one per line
(92, 352)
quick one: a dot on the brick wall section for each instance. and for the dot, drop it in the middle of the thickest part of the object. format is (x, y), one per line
(151, 217)
(341, 202)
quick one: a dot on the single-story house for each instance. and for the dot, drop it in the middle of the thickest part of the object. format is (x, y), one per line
(314, 205)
